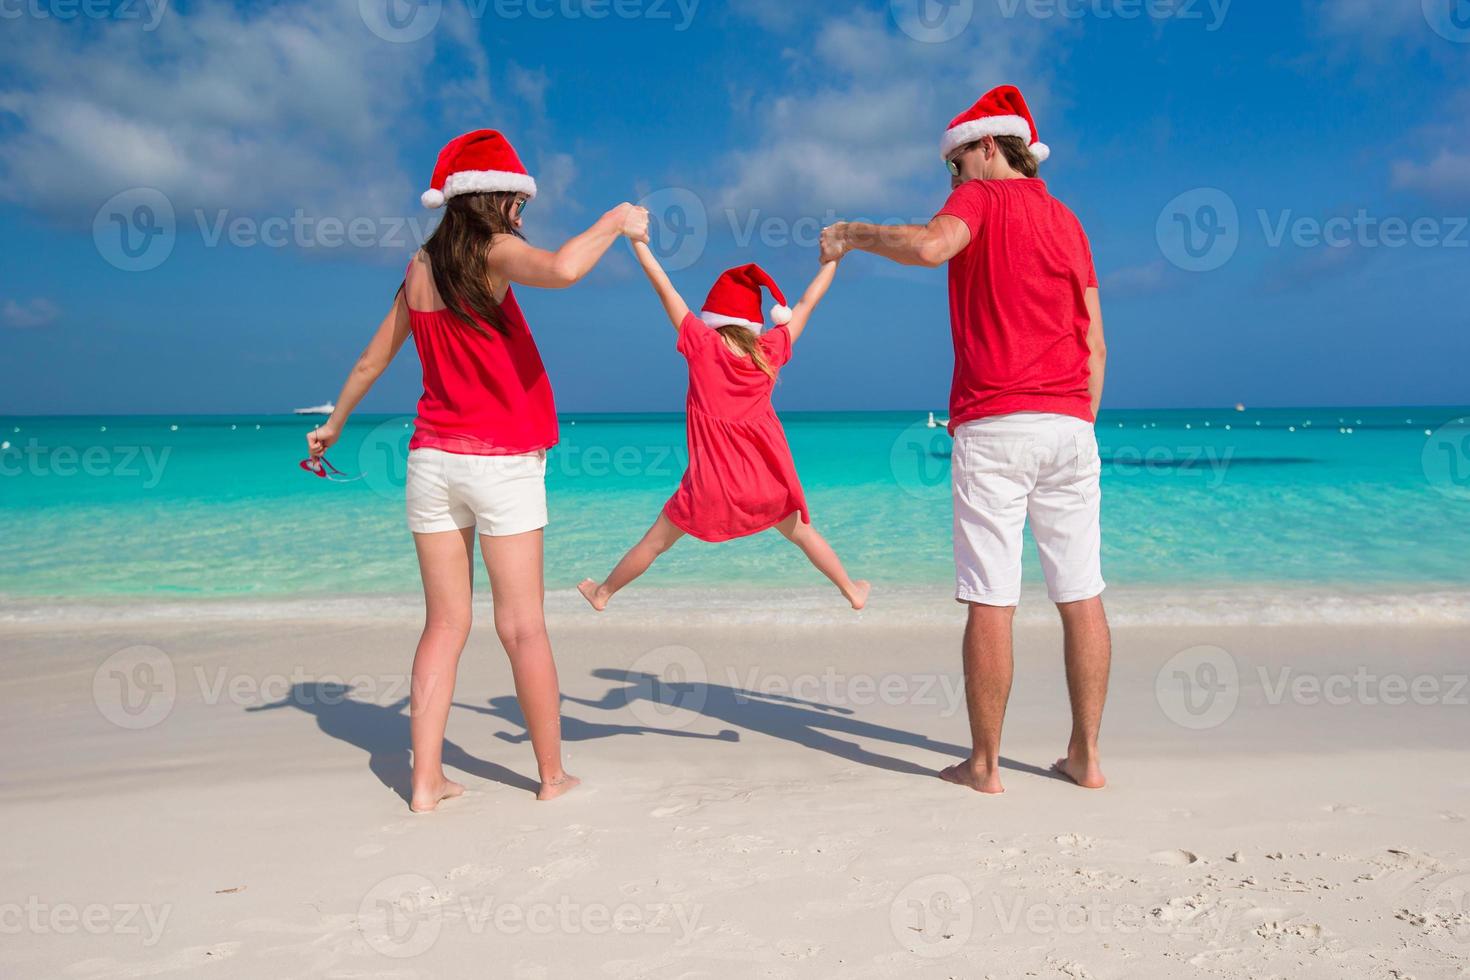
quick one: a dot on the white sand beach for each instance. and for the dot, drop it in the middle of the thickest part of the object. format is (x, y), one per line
(196, 797)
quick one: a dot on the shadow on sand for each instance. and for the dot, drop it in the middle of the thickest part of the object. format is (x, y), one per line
(382, 732)
(810, 724)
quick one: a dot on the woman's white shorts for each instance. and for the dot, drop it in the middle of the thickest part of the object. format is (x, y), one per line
(497, 495)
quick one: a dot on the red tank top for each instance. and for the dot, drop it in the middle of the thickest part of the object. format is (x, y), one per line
(485, 394)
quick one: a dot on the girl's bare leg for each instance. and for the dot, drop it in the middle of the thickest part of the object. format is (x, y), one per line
(820, 554)
(446, 562)
(660, 538)
(517, 585)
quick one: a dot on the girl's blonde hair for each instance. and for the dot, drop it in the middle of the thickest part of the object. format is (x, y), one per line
(748, 344)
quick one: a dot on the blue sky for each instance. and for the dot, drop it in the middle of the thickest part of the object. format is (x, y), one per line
(746, 125)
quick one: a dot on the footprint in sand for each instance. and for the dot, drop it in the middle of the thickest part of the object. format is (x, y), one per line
(689, 799)
(1452, 817)
(368, 850)
(1348, 808)
(1174, 859)
(1274, 929)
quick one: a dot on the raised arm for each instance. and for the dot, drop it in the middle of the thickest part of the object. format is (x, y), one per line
(1097, 359)
(802, 311)
(525, 265)
(380, 351)
(929, 245)
(674, 304)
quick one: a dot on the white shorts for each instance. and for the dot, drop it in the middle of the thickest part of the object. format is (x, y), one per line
(497, 495)
(1010, 467)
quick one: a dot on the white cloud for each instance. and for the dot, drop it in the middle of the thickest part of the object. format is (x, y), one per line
(1137, 280)
(1372, 19)
(293, 105)
(862, 127)
(25, 316)
(530, 84)
(1446, 177)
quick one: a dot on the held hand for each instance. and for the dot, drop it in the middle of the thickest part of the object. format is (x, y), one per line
(834, 242)
(320, 439)
(635, 223)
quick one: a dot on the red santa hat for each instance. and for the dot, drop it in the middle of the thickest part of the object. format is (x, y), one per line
(1000, 112)
(735, 299)
(477, 163)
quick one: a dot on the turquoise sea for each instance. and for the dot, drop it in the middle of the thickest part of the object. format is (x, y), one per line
(215, 507)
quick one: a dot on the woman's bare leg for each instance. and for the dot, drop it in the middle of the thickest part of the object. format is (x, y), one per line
(820, 554)
(446, 562)
(518, 587)
(660, 538)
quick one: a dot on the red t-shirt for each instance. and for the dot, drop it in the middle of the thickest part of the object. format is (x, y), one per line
(1017, 303)
(485, 393)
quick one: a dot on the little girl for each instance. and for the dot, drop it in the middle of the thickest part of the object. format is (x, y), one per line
(741, 478)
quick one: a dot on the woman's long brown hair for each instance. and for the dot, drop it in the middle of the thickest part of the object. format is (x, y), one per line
(749, 344)
(459, 254)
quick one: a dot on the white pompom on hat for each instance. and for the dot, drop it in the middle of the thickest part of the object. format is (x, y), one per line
(477, 163)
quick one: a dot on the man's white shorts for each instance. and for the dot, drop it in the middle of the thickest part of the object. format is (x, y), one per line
(497, 495)
(1007, 468)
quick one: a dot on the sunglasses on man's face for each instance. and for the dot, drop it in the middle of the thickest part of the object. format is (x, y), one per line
(953, 163)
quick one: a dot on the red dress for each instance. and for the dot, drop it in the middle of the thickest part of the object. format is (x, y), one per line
(741, 478)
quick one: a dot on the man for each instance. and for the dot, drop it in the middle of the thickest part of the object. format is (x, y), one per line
(1028, 379)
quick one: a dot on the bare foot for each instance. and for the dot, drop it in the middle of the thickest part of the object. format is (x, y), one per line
(553, 788)
(978, 778)
(860, 593)
(592, 592)
(1088, 774)
(428, 799)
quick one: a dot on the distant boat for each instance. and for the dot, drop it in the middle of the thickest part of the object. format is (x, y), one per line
(1240, 406)
(326, 409)
(937, 423)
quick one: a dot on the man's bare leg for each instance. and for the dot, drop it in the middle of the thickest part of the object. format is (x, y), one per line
(989, 667)
(1089, 653)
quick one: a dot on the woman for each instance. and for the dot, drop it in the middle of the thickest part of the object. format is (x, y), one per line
(477, 461)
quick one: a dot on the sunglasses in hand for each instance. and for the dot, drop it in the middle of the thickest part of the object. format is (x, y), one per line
(324, 469)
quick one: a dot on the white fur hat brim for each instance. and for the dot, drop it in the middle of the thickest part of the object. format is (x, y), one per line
(479, 182)
(978, 129)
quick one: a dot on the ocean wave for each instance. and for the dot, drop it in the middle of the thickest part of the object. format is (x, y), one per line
(1255, 605)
